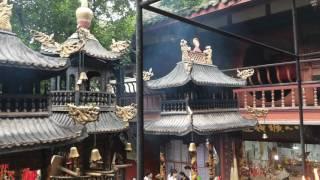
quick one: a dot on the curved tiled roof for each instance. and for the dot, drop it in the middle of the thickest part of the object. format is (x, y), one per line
(94, 49)
(14, 53)
(20, 134)
(207, 75)
(203, 123)
(108, 122)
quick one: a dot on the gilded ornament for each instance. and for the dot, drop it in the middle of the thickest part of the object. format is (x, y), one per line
(147, 75)
(119, 46)
(195, 55)
(258, 112)
(83, 114)
(245, 74)
(126, 113)
(5, 15)
(65, 49)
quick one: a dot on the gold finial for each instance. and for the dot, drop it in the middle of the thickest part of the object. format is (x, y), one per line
(84, 15)
(84, 3)
(5, 15)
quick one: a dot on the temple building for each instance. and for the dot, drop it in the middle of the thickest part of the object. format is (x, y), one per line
(269, 151)
(198, 108)
(58, 109)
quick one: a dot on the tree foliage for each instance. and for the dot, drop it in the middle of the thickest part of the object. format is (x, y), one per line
(112, 19)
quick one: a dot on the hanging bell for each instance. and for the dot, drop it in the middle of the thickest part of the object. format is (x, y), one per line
(128, 147)
(192, 147)
(79, 82)
(73, 152)
(83, 76)
(264, 136)
(95, 155)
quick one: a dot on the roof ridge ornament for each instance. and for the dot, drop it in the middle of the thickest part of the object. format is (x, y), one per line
(245, 74)
(120, 46)
(147, 75)
(65, 49)
(126, 113)
(83, 114)
(195, 55)
(5, 15)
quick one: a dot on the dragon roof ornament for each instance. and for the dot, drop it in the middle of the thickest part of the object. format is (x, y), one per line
(83, 114)
(65, 49)
(195, 55)
(126, 113)
(245, 74)
(5, 15)
(147, 75)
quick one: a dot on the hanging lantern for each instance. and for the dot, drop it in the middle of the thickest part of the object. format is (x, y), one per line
(192, 147)
(83, 76)
(128, 147)
(264, 136)
(95, 155)
(73, 152)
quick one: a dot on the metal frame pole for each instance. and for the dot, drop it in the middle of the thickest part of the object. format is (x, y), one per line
(298, 73)
(139, 94)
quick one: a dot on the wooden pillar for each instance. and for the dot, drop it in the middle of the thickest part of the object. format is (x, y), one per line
(68, 81)
(53, 84)
(58, 83)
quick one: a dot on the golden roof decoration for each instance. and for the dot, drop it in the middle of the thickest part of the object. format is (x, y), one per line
(83, 114)
(245, 74)
(195, 55)
(119, 46)
(147, 75)
(65, 49)
(127, 113)
(258, 112)
(5, 15)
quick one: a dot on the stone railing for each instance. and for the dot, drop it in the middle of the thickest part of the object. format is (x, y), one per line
(23, 103)
(279, 96)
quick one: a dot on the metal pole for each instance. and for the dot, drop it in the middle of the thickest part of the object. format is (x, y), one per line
(216, 30)
(298, 72)
(139, 94)
(148, 2)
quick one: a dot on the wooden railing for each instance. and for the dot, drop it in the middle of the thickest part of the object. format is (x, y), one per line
(62, 98)
(279, 96)
(23, 103)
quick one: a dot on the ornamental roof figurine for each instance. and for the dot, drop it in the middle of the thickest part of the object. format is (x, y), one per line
(5, 15)
(82, 40)
(16, 54)
(195, 66)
